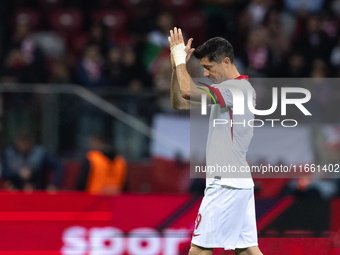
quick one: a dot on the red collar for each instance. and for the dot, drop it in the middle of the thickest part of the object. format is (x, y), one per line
(242, 77)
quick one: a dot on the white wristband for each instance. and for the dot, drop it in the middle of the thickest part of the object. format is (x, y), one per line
(179, 54)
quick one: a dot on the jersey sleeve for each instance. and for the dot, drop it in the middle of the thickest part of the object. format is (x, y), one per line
(222, 96)
(214, 99)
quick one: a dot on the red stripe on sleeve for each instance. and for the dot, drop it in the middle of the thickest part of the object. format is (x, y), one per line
(217, 93)
(219, 96)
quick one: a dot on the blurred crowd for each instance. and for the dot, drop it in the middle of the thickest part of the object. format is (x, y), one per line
(122, 47)
(124, 43)
(26, 165)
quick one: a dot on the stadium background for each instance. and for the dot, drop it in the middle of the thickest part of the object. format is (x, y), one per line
(73, 69)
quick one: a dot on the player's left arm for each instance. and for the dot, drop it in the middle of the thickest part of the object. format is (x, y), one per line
(187, 86)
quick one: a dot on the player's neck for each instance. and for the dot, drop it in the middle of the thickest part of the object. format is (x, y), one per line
(228, 75)
(233, 73)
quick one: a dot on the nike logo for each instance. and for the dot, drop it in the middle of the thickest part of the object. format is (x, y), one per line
(194, 235)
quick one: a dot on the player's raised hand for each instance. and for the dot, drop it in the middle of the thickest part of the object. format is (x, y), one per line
(181, 53)
(175, 37)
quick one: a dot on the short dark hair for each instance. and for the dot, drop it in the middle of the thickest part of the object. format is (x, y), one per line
(216, 49)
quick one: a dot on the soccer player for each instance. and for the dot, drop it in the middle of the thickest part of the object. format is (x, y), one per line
(226, 218)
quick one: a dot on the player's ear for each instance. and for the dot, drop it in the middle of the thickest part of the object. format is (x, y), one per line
(226, 62)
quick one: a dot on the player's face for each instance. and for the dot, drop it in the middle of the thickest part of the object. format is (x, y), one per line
(214, 71)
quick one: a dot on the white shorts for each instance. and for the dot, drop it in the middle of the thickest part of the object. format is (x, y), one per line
(226, 218)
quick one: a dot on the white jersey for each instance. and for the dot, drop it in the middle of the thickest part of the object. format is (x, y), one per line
(229, 138)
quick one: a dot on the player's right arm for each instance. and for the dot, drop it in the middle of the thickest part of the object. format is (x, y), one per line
(177, 100)
(180, 55)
